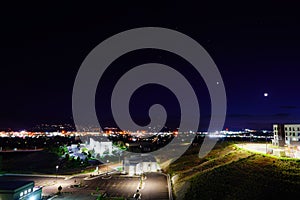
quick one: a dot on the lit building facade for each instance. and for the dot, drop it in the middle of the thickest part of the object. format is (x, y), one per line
(100, 148)
(286, 134)
(139, 164)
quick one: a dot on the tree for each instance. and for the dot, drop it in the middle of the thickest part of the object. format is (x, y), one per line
(86, 160)
(59, 189)
(99, 197)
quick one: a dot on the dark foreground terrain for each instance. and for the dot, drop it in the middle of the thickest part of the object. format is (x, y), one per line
(228, 172)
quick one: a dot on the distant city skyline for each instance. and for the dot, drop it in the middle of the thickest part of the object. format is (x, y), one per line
(256, 49)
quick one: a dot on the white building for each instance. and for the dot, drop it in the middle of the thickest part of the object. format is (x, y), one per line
(292, 134)
(100, 148)
(286, 134)
(138, 164)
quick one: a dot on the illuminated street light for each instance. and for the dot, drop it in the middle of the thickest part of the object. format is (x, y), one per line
(56, 172)
(266, 145)
(265, 132)
(107, 167)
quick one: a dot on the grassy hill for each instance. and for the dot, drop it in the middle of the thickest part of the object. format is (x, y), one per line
(28, 162)
(228, 172)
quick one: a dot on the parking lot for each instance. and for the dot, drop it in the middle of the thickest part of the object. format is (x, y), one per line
(115, 186)
(155, 186)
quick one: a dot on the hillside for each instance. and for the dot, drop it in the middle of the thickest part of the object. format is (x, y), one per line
(29, 162)
(228, 172)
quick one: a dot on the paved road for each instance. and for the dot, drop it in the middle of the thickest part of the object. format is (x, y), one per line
(156, 187)
(21, 150)
(256, 147)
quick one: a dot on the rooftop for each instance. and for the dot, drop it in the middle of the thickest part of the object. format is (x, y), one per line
(13, 185)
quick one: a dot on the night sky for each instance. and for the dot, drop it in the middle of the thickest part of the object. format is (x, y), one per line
(255, 46)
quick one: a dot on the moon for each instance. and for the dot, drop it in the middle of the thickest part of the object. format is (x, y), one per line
(266, 94)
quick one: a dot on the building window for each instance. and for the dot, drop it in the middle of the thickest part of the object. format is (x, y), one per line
(21, 194)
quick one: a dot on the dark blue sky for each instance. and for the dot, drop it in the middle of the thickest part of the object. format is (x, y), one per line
(256, 48)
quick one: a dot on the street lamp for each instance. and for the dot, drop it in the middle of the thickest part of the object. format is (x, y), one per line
(266, 145)
(107, 167)
(266, 134)
(56, 172)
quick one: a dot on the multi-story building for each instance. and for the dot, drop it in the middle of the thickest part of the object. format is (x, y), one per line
(286, 134)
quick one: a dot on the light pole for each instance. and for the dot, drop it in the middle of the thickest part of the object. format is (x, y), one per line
(107, 167)
(120, 162)
(266, 145)
(266, 136)
(56, 172)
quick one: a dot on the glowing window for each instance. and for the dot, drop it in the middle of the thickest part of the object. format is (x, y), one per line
(21, 194)
(29, 190)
